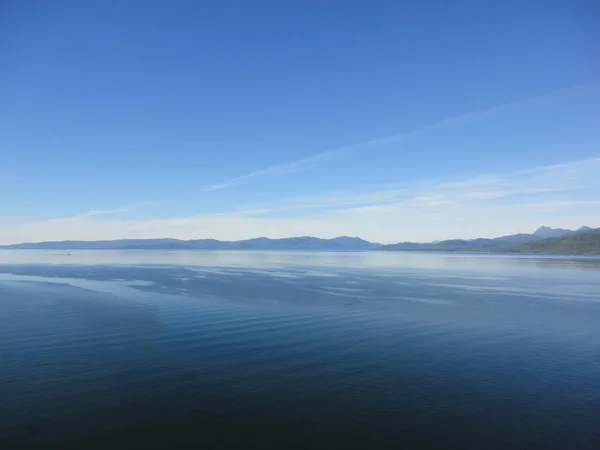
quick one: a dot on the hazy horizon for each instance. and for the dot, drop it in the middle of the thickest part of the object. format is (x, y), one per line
(304, 236)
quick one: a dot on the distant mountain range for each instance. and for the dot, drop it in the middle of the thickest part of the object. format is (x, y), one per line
(584, 240)
(342, 243)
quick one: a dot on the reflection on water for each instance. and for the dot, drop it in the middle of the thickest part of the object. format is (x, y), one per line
(450, 261)
(145, 349)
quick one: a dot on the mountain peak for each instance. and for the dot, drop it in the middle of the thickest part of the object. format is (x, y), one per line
(543, 229)
(547, 232)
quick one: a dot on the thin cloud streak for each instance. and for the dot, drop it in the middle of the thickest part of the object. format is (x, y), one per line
(544, 180)
(104, 212)
(122, 209)
(329, 156)
(292, 167)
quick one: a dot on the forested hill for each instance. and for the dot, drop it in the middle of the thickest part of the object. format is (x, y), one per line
(502, 243)
(584, 242)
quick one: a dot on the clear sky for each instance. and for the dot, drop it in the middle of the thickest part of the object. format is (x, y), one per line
(390, 120)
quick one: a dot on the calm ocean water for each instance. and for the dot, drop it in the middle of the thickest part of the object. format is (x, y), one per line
(224, 350)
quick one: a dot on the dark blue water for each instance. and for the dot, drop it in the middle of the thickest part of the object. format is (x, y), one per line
(125, 350)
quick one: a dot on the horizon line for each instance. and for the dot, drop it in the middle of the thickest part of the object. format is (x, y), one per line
(3, 246)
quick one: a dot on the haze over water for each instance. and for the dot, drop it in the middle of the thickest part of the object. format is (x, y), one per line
(144, 349)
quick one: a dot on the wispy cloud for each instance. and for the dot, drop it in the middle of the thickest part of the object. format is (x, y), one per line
(340, 153)
(325, 200)
(122, 209)
(536, 182)
(282, 169)
(104, 212)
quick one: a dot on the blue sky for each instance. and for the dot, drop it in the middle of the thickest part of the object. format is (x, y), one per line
(390, 120)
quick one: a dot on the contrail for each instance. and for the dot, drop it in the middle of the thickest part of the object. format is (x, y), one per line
(335, 154)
